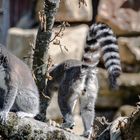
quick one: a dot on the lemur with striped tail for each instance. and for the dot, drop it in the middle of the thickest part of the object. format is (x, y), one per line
(76, 79)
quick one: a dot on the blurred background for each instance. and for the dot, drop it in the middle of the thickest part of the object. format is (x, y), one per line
(18, 29)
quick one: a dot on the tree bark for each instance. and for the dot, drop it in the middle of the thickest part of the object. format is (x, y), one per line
(41, 49)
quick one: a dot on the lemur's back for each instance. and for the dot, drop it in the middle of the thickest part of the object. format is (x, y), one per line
(77, 79)
(15, 65)
(18, 91)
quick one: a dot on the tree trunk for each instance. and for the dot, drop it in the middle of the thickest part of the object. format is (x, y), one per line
(41, 49)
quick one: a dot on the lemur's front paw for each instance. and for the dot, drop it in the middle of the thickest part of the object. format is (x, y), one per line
(3, 117)
(68, 125)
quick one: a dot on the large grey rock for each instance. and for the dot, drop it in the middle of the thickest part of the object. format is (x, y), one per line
(18, 42)
(107, 98)
(73, 40)
(29, 128)
(69, 11)
(123, 16)
(130, 53)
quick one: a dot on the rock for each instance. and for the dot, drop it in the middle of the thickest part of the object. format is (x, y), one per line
(73, 41)
(123, 16)
(70, 11)
(130, 53)
(127, 93)
(107, 98)
(29, 128)
(125, 111)
(18, 42)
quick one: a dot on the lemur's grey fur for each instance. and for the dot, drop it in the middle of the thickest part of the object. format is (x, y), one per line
(77, 79)
(18, 91)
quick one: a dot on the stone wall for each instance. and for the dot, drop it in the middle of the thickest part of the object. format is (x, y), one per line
(123, 16)
(70, 47)
(69, 11)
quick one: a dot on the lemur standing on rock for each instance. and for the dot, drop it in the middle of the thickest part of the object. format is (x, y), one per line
(18, 91)
(77, 79)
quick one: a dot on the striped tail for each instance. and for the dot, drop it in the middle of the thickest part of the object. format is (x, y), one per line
(101, 41)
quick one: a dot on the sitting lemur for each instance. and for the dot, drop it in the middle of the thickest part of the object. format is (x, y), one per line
(18, 91)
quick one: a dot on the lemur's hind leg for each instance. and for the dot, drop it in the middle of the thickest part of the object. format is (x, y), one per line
(67, 100)
(87, 104)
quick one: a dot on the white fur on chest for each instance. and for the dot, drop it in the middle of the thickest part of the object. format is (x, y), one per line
(2, 78)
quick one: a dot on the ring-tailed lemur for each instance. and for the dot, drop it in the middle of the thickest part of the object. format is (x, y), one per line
(18, 91)
(77, 79)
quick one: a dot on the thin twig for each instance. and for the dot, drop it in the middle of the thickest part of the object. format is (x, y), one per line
(62, 28)
(83, 2)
